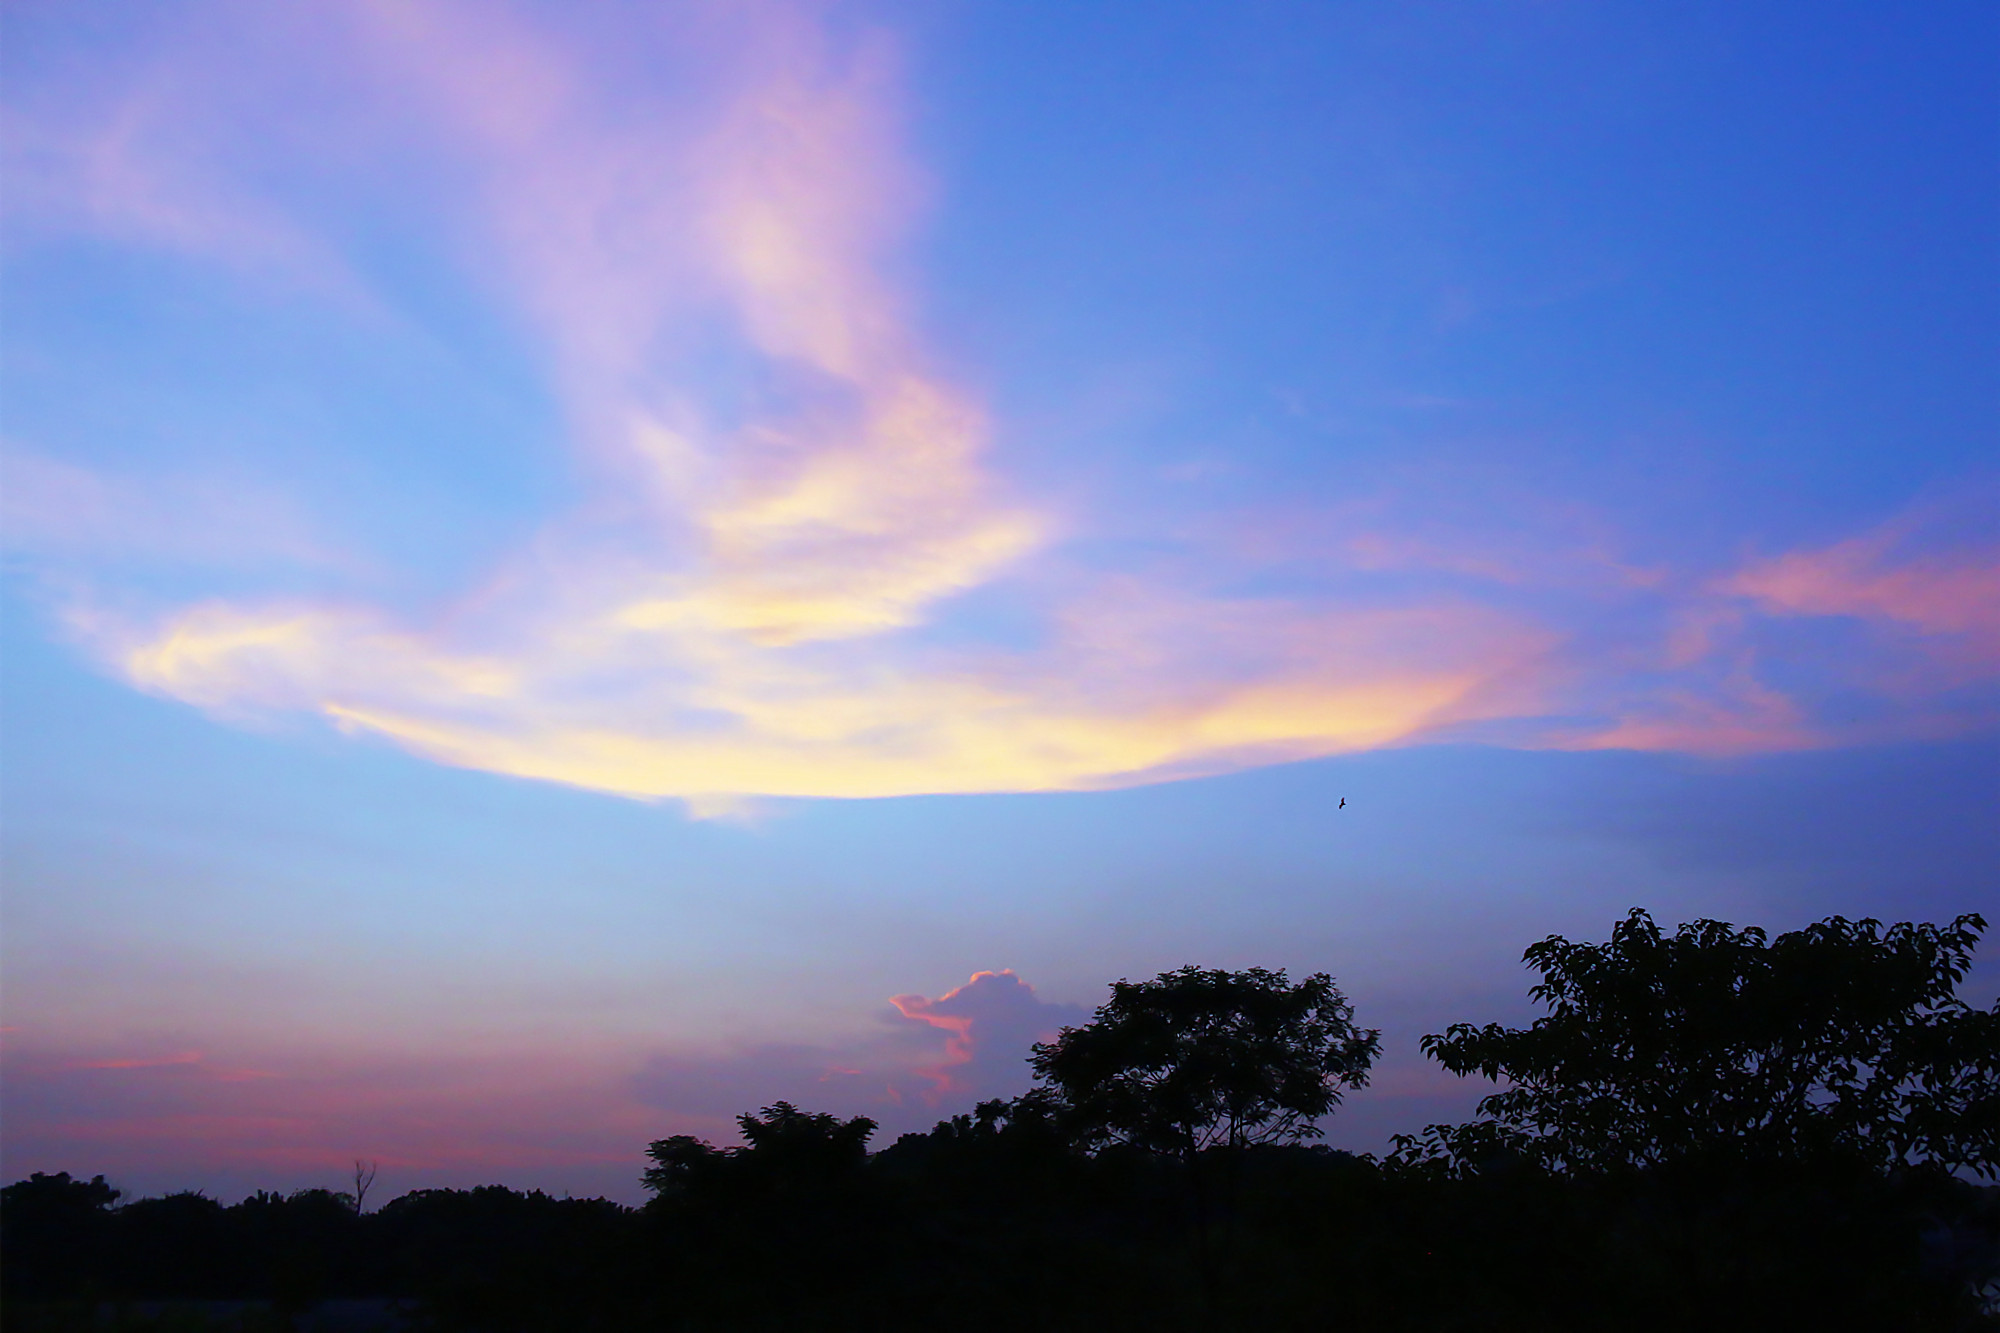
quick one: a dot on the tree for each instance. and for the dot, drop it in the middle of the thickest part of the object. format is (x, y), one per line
(784, 1149)
(812, 1141)
(1200, 1058)
(364, 1176)
(793, 1216)
(52, 1231)
(1842, 1042)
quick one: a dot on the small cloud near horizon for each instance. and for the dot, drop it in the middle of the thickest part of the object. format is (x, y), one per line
(928, 1058)
(990, 1023)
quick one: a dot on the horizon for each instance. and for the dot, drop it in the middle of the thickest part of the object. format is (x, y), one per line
(574, 573)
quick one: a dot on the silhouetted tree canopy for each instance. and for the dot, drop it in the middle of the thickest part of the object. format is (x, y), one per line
(51, 1231)
(812, 1141)
(1730, 1123)
(1839, 1042)
(784, 1148)
(1200, 1058)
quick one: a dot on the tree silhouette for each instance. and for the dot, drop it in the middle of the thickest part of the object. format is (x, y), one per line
(52, 1230)
(784, 1149)
(1745, 1134)
(808, 1140)
(1197, 1058)
(1839, 1042)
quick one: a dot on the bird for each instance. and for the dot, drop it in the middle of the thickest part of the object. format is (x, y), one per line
(1342, 805)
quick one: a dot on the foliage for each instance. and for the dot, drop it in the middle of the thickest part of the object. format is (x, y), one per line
(58, 1195)
(1029, 1212)
(989, 1213)
(1200, 1058)
(807, 1141)
(1841, 1042)
(784, 1148)
(51, 1232)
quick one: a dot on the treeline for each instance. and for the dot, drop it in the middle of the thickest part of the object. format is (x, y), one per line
(967, 1223)
(1708, 1130)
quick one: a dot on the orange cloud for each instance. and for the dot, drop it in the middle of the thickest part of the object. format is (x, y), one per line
(763, 593)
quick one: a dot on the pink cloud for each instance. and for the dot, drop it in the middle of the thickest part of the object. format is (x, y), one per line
(149, 148)
(1950, 597)
(1735, 716)
(990, 1022)
(192, 1064)
(1891, 635)
(930, 1056)
(143, 1062)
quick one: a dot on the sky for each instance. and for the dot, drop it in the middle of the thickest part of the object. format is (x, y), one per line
(572, 571)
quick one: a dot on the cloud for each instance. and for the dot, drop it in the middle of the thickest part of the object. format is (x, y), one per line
(927, 1058)
(53, 508)
(121, 146)
(1888, 636)
(181, 1058)
(192, 1064)
(743, 612)
(782, 578)
(991, 1022)
(1736, 714)
(1131, 691)
(1941, 600)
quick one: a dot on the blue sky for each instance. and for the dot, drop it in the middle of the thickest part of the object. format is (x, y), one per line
(570, 568)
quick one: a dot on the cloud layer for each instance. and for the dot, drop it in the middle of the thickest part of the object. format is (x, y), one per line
(768, 588)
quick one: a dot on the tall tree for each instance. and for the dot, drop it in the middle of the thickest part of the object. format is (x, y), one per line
(1841, 1041)
(1200, 1058)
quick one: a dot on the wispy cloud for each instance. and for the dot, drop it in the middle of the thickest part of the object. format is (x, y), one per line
(792, 493)
(124, 148)
(193, 1064)
(1945, 598)
(1892, 634)
(54, 509)
(179, 1058)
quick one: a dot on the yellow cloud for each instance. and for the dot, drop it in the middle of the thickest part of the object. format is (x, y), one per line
(931, 737)
(752, 637)
(754, 601)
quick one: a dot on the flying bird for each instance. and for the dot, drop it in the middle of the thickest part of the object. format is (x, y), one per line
(1342, 805)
